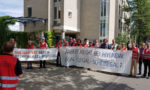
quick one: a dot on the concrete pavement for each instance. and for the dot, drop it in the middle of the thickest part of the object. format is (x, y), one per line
(62, 78)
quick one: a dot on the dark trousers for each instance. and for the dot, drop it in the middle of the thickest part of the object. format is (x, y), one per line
(29, 65)
(58, 61)
(140, 65)
(42, 64)
(146, 66)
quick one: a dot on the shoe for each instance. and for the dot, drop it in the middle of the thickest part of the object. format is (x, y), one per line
(139, 74)
(27, 68)
(143, 76)
(136, 77)
(31, 67)
(148, 77)
(40, 67)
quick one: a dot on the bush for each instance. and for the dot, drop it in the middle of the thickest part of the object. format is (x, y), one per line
(50, 38)
(21, 38)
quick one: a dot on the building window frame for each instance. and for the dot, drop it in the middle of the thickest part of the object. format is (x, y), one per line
(29, 11)
(104, 19)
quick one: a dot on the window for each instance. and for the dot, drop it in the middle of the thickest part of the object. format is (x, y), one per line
(70, 14)
(55, 0)
(59, 14)
(104, 19)
(55, 12)
(29, 12)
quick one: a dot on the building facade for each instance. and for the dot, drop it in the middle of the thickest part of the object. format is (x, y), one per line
(91, 19)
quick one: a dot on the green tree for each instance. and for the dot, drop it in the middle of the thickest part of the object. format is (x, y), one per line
(4, 29)
(140, 19)
(122, 38)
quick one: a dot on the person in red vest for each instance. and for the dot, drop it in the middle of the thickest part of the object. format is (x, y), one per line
(91, 45)
(135, 57)
(146, 60)
(10, 68)
(70, 42)
(74, 43)
(43, 45)
(64, 43)
(79, 44)
(123, 47)
(29, 46)
(59, 44)
(86, 43)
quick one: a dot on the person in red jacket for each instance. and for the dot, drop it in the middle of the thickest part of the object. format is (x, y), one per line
(10, 68)
(146, 60)
(70, 42)
(135, 58)
(29, 46)
(43, 45)
(79, 44)
(64, 43)
(74, 43)
(86, 43)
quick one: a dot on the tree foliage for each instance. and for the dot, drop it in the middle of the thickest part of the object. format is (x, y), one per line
(4, 30)
(21, 38)
(140, 19)
(122, 38)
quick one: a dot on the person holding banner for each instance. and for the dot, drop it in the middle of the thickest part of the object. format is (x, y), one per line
(135, 57)
(74, 43)
(64, 43)
(70, 41)
(10, 68)
(58, 45)
(113, 46)
(12, 40)
(147, 60)
(123, 47)
(79, 44)
(97, 44)
(29, 46)
(105, 45)
(118, 47)
(141, 57)
(91, 45)
(43, 45)
(86, 43)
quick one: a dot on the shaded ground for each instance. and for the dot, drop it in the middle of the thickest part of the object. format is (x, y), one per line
(61, 78)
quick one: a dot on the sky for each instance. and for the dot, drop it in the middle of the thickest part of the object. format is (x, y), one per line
(12, 8)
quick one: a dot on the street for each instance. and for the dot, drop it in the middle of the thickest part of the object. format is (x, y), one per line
(62, 78)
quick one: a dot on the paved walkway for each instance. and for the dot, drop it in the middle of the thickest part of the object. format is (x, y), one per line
(62, 78)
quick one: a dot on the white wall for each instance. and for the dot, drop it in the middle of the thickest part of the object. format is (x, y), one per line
(72, 23)
(112, 19)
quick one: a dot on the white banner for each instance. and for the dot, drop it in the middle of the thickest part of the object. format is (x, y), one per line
(36, 54)
(97, 59)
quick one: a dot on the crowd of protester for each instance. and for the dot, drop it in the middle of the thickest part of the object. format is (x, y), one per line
(140, 55)
(95, 44)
